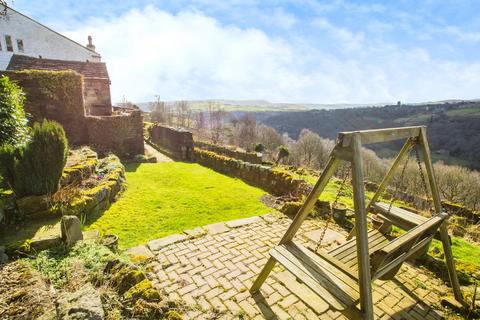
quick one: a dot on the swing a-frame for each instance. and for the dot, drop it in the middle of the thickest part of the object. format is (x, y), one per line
(343, 276)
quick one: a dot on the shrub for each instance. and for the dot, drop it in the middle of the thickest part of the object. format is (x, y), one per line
(13, 120)
(39, 164)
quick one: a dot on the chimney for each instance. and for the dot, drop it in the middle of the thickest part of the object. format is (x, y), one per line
(90, 44)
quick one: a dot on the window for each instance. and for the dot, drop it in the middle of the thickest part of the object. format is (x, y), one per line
(8, 40)
(20, 45)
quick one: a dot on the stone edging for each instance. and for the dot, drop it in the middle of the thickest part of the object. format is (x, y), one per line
(215, 228)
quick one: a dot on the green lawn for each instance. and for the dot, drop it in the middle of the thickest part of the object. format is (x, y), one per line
(166, 198)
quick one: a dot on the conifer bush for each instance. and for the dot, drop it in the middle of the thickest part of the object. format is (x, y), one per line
(39, 164)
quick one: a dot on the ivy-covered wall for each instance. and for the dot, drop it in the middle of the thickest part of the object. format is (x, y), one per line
(122, 134)
(59, 96)
(54, 95)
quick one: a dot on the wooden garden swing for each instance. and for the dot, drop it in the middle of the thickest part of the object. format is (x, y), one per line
(344, 275)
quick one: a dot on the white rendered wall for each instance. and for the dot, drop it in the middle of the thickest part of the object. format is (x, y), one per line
(38, 40)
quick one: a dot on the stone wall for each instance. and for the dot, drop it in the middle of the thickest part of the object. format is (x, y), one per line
(56, 96)
(59, 96)
(122, 134)
(231, 152)
(176, 142)
(97, 97)
(273, 181)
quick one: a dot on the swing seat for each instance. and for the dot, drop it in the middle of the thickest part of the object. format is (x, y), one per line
(402, 218)
(333, 275)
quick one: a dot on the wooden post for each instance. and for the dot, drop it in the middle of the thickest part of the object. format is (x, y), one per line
(452, 272)
(363, 258)
(401, 155)
(301, 215)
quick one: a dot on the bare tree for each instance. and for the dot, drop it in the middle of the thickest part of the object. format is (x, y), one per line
(158, 110)
(216, 117)
(183, 113)
(245, 132)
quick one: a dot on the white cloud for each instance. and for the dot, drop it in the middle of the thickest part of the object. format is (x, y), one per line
(192, 56)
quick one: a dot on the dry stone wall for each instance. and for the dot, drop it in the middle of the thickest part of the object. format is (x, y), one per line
(251, 157)
(176, 142)
(271, 180)
(120, 134)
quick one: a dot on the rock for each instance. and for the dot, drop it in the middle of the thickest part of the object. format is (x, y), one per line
(82, 304)
(71, 229)
(3, 255)
(139, 252)
(33, 204)
(44, 243)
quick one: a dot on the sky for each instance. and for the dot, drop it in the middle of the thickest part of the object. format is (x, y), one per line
(281, 51)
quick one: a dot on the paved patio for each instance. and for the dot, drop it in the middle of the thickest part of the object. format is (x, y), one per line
(210, 270)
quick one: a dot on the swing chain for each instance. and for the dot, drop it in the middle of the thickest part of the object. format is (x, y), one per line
(420, 169)
(345, 174)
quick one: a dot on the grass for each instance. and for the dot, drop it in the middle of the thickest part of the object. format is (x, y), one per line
(470, 111)
(166, 198)
(462, 251)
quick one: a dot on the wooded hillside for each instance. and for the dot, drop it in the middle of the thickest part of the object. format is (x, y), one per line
(453, 128)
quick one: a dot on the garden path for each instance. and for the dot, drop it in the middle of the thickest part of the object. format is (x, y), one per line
(211, 269)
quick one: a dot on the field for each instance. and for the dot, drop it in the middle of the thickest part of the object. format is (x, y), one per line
(166, 198)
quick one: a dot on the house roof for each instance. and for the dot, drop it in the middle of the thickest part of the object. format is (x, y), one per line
(89, 70)
(44, 26)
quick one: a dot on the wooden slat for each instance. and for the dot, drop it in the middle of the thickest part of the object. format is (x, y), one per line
(400, 259)
(319, 257)
(351, 262)
(342, 249)
(395, 213)
(429, 226)
(380, 135)
(373, 241)
(319, 276)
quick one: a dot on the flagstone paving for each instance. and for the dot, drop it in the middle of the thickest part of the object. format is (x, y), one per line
(211, 272)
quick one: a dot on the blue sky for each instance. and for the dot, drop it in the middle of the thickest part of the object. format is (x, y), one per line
(284, 51)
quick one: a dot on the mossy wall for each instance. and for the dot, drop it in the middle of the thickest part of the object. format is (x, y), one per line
(276, 182)
(251, 157)
(59, 96)
(122, 134)
(54, 95)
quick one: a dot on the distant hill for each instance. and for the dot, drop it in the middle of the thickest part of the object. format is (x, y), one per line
(260, 105)
(453, 127)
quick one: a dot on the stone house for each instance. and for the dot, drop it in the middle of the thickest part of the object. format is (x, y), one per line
(22, 35)
(96, 81)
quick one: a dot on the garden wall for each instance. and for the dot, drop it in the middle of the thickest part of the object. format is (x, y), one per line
(176, 142)
(54, 95)
(120, 134)
(58, 95)
(251, 157)
(271, 180)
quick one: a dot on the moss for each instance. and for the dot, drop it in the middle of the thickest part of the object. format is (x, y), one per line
(173, 315)
(126, 277)
(291, 208)
(142, 290)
